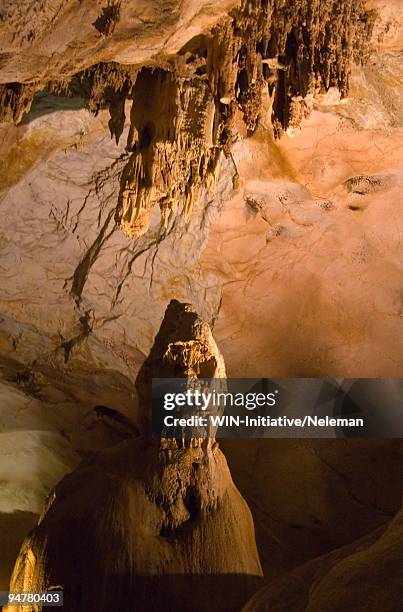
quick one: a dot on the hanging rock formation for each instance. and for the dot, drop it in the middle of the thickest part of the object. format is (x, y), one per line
(169, 528)
(171, 137)
(287, 240)
(182, 113)
(184, 105)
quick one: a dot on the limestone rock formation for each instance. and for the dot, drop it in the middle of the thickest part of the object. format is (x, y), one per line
(173, 155)
(183, 106)
(167, 526)
(241, 156)
(366, 575)
(184, 348)
(309, 497)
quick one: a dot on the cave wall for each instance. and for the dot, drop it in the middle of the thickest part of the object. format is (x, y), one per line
(237, 178)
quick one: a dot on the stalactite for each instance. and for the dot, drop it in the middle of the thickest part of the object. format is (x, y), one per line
(183, 106)
(293, 49)
(16, 100)
(173, 147)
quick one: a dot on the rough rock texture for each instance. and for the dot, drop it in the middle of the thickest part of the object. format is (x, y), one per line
(58, 38)
(74, 367)
(311, 496)
(172, 124)
(164, 530)
(309, 256)
(302, 254)
(295, 256)
(15, 100)
(366, 575)
(169, 526)
(183, 107)
(310, 44)
(33, 457)
(184, 347)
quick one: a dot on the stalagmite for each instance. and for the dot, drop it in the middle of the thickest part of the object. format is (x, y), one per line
(243, 157)
(146, 527)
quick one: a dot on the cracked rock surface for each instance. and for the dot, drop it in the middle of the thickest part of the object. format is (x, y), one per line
(362, 575)
(167, 524)
(242, 157)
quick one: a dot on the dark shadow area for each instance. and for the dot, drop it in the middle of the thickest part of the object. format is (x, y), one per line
(196, 46)
(109, 17)
(167, 593)
(45, 104)
(309, 497)
(14, 527)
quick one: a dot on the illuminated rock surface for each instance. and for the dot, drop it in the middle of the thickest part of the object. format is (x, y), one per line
(167, 524)
(222, 169)
(365, 575)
